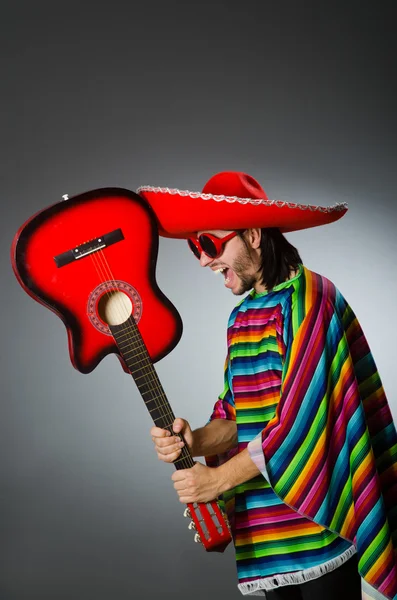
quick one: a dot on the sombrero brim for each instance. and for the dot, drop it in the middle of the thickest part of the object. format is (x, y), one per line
(181, 214)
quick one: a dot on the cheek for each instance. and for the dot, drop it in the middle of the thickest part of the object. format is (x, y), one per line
(244, 260)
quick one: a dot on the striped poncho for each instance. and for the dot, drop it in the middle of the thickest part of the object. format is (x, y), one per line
(302, 385)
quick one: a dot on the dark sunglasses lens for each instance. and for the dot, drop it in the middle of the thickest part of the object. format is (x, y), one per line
(194, 249)
(208, 246)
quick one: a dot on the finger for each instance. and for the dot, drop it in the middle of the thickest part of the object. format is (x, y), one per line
(166, 440)
(179, 475)
(169, 458)
(178, 425)
(186, 499)
(180, 486)
(160, 433)
(165, 446)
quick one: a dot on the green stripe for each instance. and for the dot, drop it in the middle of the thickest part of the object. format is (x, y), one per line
(284, 546)
(264, 417)
(359, 451)
(343, 506)
(374, 550)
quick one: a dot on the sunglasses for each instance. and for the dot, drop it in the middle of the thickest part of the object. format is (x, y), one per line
(209, 244)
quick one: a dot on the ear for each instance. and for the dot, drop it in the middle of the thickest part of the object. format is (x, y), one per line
(253, 237)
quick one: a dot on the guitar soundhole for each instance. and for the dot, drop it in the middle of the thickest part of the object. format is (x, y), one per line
(112, 303)
(114, 308)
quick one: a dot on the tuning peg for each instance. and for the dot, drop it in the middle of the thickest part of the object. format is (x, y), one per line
(192, 525)
(197, 539)
(186, 513)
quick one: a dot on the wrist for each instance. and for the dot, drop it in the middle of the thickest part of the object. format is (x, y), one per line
(239, 469)
(197, 445)
(222, 478)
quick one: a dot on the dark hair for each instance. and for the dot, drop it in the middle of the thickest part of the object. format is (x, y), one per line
(279, 257)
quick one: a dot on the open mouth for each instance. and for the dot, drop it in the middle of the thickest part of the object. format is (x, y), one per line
(226, 272)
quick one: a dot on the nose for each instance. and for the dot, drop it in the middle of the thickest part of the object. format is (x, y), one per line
(205, 259)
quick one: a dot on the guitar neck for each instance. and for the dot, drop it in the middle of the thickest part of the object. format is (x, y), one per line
(134, 352)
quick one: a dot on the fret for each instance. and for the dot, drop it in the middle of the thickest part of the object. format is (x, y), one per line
(136, 354)
(126, 335)
(156, 394)
(159, 403)
(157, 407)
(185, 461)
(175, 462)
(144, 361)
(139, 366)
(158, 420)
(127, 331)
(140, 377)
(146, 370)
(151, 399)
(125, 344)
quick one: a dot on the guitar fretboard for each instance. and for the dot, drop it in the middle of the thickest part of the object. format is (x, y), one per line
(134, 352)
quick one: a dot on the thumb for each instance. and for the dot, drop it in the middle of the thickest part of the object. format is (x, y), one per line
(178, 425)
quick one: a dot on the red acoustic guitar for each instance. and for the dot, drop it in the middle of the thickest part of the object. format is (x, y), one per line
(92, 259)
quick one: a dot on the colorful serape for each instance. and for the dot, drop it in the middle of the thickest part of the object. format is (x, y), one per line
(301, 383)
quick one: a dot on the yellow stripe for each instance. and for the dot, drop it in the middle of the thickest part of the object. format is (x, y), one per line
(366, 461)
(388, 551)
(266, 401)
(348, 521)
(311, 529)
(309, 291)
(251, 338)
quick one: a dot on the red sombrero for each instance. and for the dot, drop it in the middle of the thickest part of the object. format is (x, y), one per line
(230, 201)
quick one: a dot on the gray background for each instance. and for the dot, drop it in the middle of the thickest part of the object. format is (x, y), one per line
(301, 95)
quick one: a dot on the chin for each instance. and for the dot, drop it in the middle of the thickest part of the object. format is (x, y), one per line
(243, 285)
(242, 289)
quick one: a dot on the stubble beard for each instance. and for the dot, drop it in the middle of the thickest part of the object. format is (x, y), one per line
(241, 267)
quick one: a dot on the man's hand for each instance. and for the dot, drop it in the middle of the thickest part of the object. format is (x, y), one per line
(198, 484)
(168, 446)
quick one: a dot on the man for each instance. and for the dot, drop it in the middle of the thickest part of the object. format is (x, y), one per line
(301, 443)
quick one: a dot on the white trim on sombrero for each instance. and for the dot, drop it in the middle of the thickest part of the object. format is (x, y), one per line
(279, 203)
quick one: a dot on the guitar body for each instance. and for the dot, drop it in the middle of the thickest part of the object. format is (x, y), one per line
(74, 290)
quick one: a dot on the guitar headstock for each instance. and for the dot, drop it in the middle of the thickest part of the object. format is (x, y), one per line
(211, 525)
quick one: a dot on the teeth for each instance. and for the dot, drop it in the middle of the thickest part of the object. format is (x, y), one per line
(219, 270)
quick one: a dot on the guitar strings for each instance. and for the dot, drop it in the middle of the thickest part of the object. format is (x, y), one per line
(118, 305)
(133, 329)
(120, 308)
(133, 336)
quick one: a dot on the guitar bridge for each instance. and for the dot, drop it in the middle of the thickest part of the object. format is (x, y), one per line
(102, 241)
